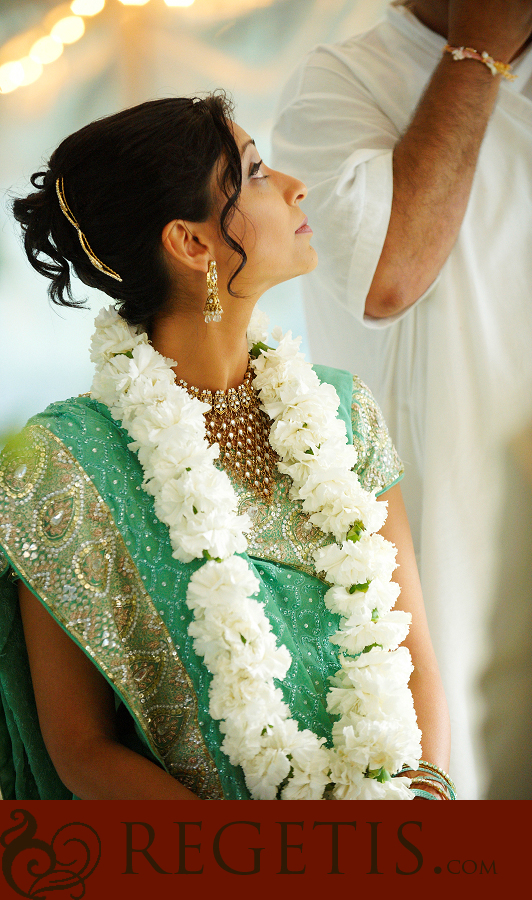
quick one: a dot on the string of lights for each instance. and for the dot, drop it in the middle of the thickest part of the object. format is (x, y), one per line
(64, 25)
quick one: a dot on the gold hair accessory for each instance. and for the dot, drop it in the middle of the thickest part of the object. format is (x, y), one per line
(212, 309)
(65, 209)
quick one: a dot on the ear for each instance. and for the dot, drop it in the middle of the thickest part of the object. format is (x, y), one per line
(187, 245)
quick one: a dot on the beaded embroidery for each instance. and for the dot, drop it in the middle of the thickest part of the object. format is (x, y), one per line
(281, 531)
(98, 569)
(62, 539)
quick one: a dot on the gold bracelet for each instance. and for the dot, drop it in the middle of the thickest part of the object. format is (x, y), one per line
(424, 766)
(433, 784)
(438, 774)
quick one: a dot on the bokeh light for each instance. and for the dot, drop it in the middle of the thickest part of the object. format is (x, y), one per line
(11, 76)
(87, 7)
(46, 50)
(32, 70)
(68, 30)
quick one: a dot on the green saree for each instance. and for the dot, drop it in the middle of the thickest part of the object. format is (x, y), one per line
(77, 528)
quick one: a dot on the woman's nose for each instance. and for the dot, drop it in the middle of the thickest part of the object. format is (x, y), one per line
(296, 189)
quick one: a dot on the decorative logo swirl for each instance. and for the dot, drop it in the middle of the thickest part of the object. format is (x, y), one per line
(34, 868)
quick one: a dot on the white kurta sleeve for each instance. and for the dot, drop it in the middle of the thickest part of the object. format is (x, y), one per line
(331, 133)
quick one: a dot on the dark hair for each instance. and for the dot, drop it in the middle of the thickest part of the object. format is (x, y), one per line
(125, 177)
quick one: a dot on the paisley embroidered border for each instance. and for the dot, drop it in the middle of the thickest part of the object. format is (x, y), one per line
(67, 547)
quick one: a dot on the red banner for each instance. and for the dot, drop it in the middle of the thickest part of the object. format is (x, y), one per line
(142, 850)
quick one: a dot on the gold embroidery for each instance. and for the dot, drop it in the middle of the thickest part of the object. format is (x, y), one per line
(378, 465)
(78, 564)
(56, 517)
(22, 470)
(281, 531)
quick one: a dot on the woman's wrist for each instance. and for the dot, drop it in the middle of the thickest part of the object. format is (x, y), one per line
(429, 779)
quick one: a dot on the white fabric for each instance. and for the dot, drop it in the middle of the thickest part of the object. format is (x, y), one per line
(453, 374)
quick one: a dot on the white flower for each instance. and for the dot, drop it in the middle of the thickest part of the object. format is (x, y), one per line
(370, 743)
(282, 375)
(377, 725)
(183, 496)
(147, 368)
(369, 788)
(390, 668)
(258, 328)
(265, 772)
(222, 580)
(355, 562)
(378, 599)
(113, 335)
(388, 631)
(306, 785)
(248, 704)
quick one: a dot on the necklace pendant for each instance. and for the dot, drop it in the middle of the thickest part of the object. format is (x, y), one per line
(241, 428)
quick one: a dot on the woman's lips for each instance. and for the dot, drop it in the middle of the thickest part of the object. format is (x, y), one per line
(304, 228)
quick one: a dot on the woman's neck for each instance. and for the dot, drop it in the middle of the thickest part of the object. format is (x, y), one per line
(211, 356)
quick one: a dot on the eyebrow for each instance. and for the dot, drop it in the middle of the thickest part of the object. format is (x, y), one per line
(246, 145)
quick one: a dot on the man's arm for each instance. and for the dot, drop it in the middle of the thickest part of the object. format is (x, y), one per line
(435, 160)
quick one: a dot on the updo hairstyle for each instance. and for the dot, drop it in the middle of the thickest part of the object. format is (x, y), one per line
(124, 178)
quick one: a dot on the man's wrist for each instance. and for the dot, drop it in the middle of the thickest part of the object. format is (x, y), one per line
(494, 66)
(492, 47)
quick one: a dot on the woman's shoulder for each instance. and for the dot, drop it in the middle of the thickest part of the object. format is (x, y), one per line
(378, 465)
(80, 423)
(355, 396)
(75, 413)
(347, 381)
(71, 438)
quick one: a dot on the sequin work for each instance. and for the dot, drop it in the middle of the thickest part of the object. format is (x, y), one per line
(281, 530)
(241, 429)
(105, 570)
(378, 466)
(61, 538)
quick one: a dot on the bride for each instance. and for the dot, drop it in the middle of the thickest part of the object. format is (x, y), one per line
(204, 546)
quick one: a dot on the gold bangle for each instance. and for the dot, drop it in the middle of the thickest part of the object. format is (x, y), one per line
(438, 774)
(433, 784)
(447, 778)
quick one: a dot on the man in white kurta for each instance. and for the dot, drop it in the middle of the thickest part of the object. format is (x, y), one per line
(450, 360)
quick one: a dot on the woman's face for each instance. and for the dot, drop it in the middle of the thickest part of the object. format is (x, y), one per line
(269, 225)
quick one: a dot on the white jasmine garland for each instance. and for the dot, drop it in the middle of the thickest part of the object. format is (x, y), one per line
(376, 731)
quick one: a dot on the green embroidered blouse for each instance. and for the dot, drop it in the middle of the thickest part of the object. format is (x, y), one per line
(77, 528)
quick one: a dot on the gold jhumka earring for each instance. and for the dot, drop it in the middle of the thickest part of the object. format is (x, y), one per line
(212, 310)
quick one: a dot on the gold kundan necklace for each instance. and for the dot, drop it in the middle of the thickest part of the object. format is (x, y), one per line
(241, 428)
